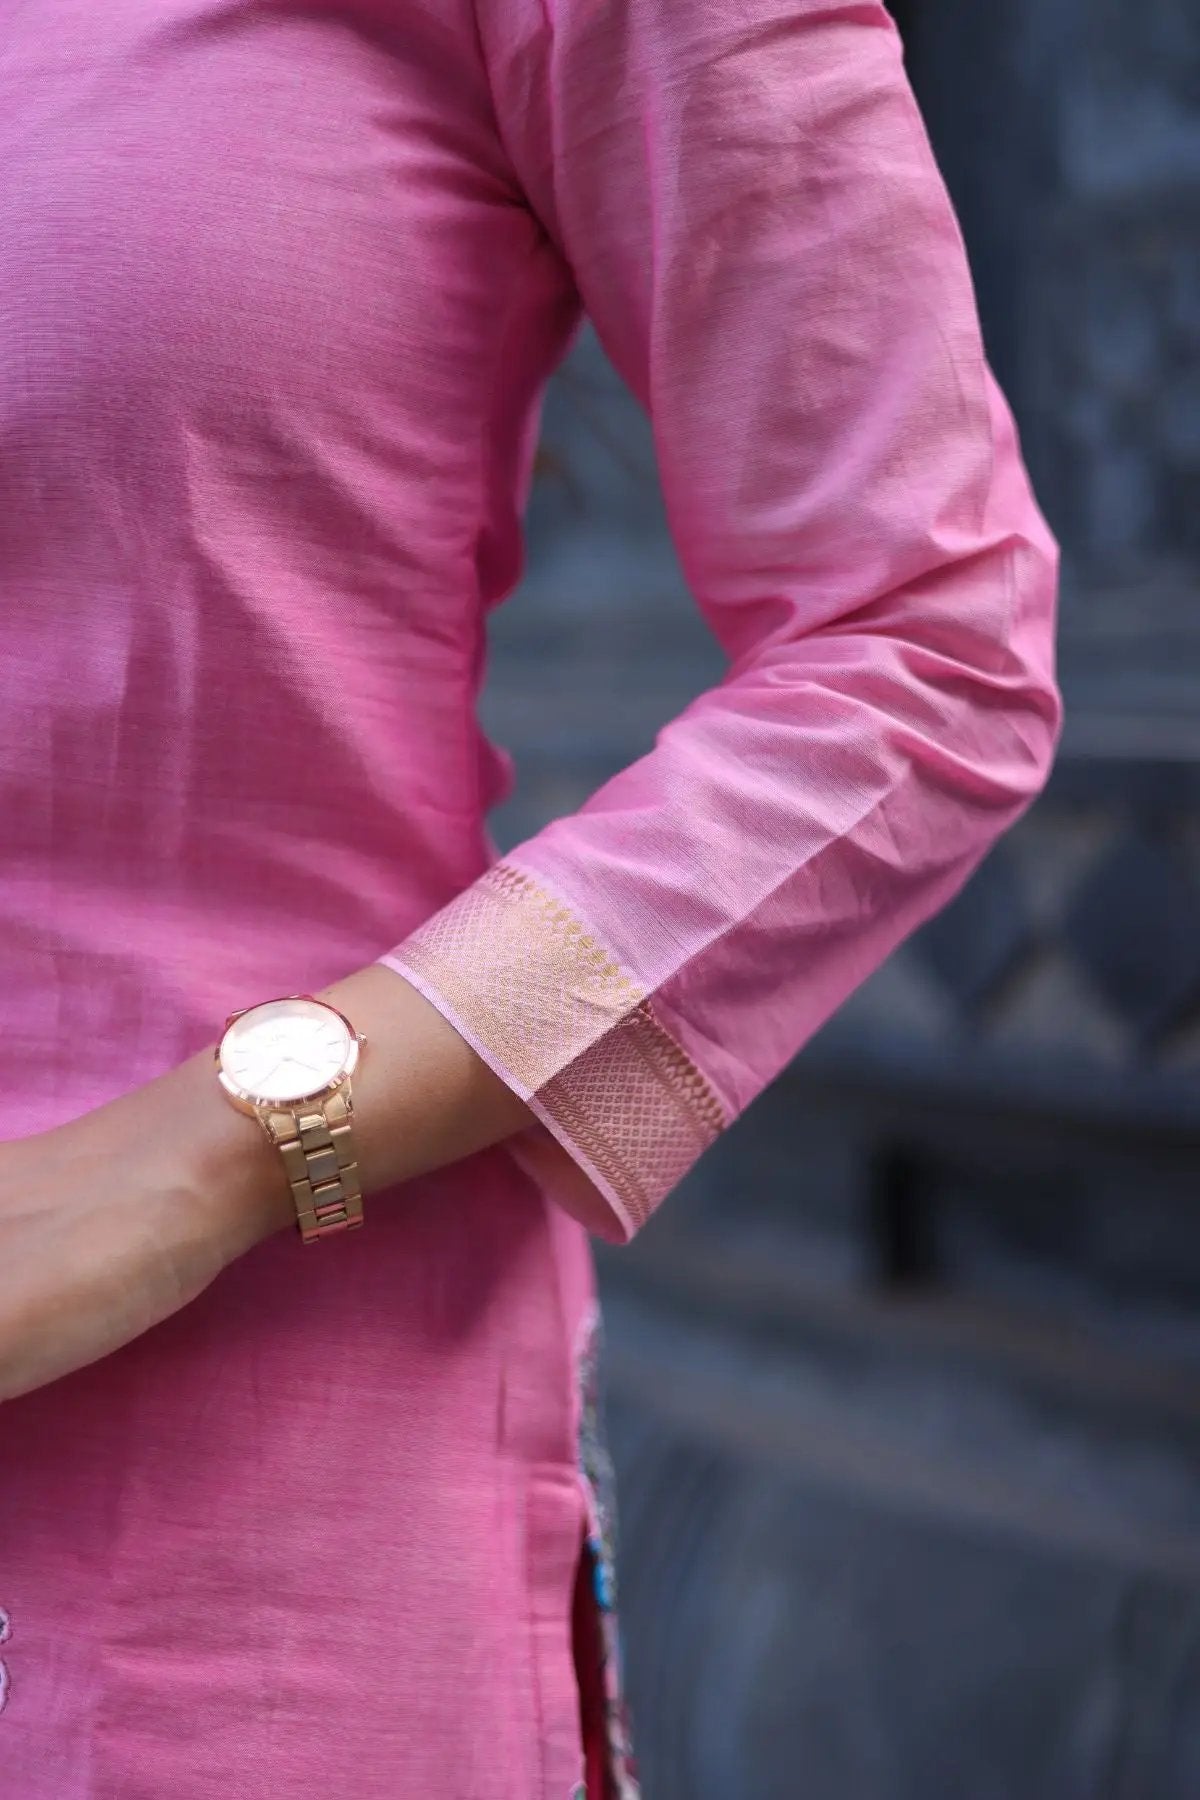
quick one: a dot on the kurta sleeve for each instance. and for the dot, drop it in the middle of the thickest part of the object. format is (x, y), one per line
(747, 202)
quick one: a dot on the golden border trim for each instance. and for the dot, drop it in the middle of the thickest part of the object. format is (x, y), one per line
(638, 1109)
(550, 1007)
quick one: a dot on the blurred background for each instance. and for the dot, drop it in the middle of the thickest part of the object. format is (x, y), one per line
(904, 1387)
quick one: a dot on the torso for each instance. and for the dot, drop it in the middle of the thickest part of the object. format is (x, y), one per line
(273, 330)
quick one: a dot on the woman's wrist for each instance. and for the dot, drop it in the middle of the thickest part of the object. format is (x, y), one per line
(422, 1098)
(179, 1140)
(234, 1171)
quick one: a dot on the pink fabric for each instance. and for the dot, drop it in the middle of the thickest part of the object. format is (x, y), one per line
(748, 205)
(280, 287)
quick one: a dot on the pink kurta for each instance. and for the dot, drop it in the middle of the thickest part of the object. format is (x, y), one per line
(280, 287)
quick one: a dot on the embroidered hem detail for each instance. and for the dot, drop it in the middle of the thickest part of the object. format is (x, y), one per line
(599, 1489)
(575, 1036)
(5, 1633)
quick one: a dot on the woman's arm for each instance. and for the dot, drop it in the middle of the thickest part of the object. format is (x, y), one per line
(743, 196)
(113, 1221)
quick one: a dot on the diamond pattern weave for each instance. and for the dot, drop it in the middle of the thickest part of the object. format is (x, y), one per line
(558, 1018)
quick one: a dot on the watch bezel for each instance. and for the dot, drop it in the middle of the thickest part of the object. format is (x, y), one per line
(248, 1101)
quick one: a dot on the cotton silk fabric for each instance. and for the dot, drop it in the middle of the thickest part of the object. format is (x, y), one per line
(280, 290)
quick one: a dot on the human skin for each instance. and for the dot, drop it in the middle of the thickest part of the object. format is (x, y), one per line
(120, 1217)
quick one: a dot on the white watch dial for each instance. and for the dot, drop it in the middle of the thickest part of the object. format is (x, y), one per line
(285, 1050)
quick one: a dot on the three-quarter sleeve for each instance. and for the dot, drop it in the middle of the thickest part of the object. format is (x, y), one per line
(747, 202)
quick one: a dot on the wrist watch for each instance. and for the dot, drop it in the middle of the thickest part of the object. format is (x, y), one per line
(289, 1063)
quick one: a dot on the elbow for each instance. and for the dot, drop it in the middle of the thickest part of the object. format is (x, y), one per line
(1037, 703)
(1026, 570)
(1013, 709)
(984, 710)
(1035, 719)
(1045, 708)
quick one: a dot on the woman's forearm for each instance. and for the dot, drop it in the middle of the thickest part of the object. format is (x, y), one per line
(422, 1098)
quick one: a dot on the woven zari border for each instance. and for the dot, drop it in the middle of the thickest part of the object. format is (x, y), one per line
(577, 1037)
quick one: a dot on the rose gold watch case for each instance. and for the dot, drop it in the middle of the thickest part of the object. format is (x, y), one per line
(247, 1102)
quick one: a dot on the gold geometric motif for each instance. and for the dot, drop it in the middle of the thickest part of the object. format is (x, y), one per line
(551, 1005)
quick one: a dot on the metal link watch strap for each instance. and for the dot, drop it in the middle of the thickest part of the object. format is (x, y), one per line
(318, 1153)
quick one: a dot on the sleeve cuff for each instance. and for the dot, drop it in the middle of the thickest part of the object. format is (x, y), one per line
(536, 993)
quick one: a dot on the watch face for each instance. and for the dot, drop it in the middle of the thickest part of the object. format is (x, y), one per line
(285, 1050)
